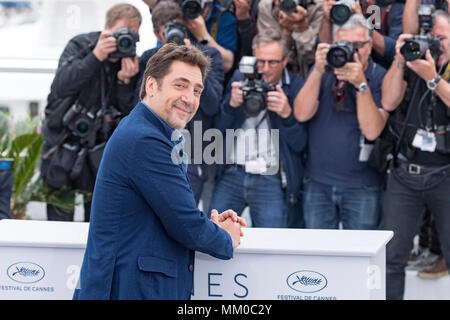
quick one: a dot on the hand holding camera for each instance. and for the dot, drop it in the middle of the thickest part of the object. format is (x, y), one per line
(197, 27)
(106, 44)
(352, 72)
(130, 68)
(116, 45)
(295, 20)
(326, 7)
(278, 103)
(425, 68)
(321, 57)
(237, 97)
(254, 90)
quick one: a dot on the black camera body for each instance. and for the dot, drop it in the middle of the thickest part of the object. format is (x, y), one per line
(80, 121)
(126, 43)
(254, 88)
(415, 47)
(191, 8)
(340, 53)
(341, 11)
(175, 32)
(290, 6)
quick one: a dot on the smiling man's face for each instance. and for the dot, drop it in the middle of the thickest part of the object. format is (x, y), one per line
(177, 97)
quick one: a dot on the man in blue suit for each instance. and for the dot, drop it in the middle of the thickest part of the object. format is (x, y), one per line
(145, 224)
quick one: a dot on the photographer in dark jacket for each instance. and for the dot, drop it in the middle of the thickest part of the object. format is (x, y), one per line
(417, 93)
(92, 90)
(163, 16)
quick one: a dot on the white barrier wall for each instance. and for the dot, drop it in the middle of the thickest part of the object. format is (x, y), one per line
(42, 260)
(297, 264)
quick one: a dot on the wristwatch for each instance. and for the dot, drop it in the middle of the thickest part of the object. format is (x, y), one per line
(432, 84)
(206, 40)
(363, 87)
(125, 81)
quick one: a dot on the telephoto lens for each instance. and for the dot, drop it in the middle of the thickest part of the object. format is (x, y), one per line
(175, 32)
(191, 8)
(341, 11)
(288, 6)
(126, 43)
(339, 54)
(415, 47)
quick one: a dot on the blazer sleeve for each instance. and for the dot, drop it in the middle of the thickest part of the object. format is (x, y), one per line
(164, 186)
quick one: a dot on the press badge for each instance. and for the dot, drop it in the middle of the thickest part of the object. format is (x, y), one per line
(365, 151)
(257, 166)
(424, 140)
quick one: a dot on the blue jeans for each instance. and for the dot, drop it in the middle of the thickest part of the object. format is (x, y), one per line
(324, 206)
(263, 194)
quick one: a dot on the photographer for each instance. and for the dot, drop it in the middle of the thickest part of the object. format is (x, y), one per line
(263, 169)
(92, 90)
(344, 114)
(417, 92)
(165, 13)
(384, 35)
(215, 27)
(411, 18)
(299, 27)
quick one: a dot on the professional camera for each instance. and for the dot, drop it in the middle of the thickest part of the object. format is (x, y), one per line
(415, 47)
(126, 43)
(80, 121)
(290, 6)
(254, 88)
(191, 8)
(341, 11)
(340, 53)
(175, 32)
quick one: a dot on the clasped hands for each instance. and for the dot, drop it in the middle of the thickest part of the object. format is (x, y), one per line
(230, 222)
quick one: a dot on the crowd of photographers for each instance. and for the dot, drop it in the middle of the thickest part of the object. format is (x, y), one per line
(352, 97)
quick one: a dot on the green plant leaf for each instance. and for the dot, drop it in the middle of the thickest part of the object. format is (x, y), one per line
(26, 151)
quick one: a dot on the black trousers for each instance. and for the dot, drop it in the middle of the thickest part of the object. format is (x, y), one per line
(56, 214)
(404, 208)
(428, 235)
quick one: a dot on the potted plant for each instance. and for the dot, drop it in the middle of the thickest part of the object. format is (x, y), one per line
(22, 141)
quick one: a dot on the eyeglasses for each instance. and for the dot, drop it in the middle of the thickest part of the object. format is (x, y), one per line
(359, 44)
(272, 63)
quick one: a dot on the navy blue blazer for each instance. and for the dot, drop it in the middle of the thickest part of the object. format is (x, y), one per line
(145, 224)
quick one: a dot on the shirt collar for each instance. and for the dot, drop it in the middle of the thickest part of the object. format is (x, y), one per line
(173, 134)
(285, 78)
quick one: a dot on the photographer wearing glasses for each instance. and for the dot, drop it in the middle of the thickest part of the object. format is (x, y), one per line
(344, 114)
(387, 25)
(417, 93)
(262, 166)
(92, 90)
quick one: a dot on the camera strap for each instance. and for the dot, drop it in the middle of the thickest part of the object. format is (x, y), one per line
(344, 101)
(408, 114)
(386, 19)
(339, 90)
(90, 47)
